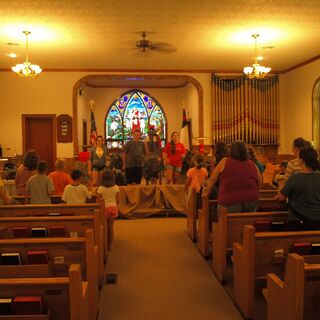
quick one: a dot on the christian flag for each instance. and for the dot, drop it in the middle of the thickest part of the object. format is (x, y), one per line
(185, 130)
(93, 131)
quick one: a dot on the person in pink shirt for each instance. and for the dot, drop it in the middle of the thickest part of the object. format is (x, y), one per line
(195, 176)
(174, 151)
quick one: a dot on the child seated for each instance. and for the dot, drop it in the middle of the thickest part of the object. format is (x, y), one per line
(59, 178)
(76, 193)
(39, 186)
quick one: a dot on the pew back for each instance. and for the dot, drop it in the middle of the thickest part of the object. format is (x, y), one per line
(259, 254)
(229, 229)
(65, 297)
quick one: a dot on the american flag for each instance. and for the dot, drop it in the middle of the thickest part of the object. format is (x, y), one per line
(93, 131)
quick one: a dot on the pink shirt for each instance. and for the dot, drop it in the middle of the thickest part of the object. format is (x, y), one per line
(197, 177)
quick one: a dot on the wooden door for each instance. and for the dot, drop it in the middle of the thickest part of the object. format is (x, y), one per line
(39, 133)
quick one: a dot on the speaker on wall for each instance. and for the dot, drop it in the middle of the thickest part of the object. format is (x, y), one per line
(81, 91)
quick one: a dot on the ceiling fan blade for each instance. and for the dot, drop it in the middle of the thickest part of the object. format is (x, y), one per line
(164, 47)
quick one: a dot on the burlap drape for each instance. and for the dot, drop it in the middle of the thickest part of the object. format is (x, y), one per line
(245, 109)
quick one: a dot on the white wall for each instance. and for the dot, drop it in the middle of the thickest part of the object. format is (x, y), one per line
(51, 93)
(296, 104)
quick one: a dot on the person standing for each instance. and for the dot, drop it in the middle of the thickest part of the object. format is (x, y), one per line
(26, 170)
(98, 160)
(239, 181)
(59, 178)
(39, 187)
(76, 192)
(174, 152)
(133, 158)
(153, 156)
(109, 192)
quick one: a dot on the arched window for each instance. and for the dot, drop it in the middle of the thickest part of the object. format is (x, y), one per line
(316, 115)
(134, 109)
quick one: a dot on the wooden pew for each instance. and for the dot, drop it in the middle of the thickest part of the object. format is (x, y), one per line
(66, 298)
(193, 213)
(79, 250)
(255, 258)
(95, 210)
(229, 228)
(203, 219)
(299, 290)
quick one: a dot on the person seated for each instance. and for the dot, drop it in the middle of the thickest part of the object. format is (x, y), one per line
(76, 193)
(4, 198)
(59, 178)
(294, 165)
(303, 192)
(39, 186)
(26, 170)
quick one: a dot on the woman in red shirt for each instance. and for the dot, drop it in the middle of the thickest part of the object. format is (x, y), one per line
(239, 180)
(174, 152)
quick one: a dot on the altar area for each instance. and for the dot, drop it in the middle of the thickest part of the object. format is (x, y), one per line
(140, 201)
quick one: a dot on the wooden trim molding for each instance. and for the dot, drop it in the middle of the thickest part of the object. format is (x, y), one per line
(82, 82)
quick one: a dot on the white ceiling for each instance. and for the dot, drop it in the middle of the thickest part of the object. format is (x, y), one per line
(207, 34)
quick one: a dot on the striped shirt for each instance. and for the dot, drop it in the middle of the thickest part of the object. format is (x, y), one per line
(292, 167)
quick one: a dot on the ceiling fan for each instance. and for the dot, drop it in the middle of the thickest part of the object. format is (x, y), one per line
(145, 45)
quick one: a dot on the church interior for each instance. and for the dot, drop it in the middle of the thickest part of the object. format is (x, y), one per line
(208, 71)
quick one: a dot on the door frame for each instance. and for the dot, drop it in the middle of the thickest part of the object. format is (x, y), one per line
(26, 117)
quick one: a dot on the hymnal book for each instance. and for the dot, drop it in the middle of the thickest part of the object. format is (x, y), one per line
(39, 232)
(38, 257)
(10, 258)
(54, 213)
(27, 305)
(21, 232)
(277, 226)
(262, 225)
(302, 248)
(315, 248)
(57, 231)
(5, 306)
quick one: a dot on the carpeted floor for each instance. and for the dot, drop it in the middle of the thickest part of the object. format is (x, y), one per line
(160, 276)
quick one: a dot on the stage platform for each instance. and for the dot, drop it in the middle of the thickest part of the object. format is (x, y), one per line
(142, 201)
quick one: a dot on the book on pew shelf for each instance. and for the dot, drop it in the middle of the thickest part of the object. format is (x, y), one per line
(57, 231)
(21, 232)
(10, 258)
(54, 213)
(38, 257)
(315, 248)
(39, 232)
(302, 248)
(262, 225)
(6, 306)
(27, 305)
(73, 234)
(277, 226)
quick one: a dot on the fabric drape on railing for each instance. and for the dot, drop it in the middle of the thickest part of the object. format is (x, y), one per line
(245, 109)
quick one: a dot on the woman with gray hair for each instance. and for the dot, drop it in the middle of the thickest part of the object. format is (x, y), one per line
(239, 180)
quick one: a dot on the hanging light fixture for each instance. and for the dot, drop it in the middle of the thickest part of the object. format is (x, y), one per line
(26, 69)
(256, 70)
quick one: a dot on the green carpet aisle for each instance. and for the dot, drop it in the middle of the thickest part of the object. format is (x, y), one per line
(160, 276)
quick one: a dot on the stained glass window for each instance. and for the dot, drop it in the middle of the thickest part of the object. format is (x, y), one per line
(134, 109)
